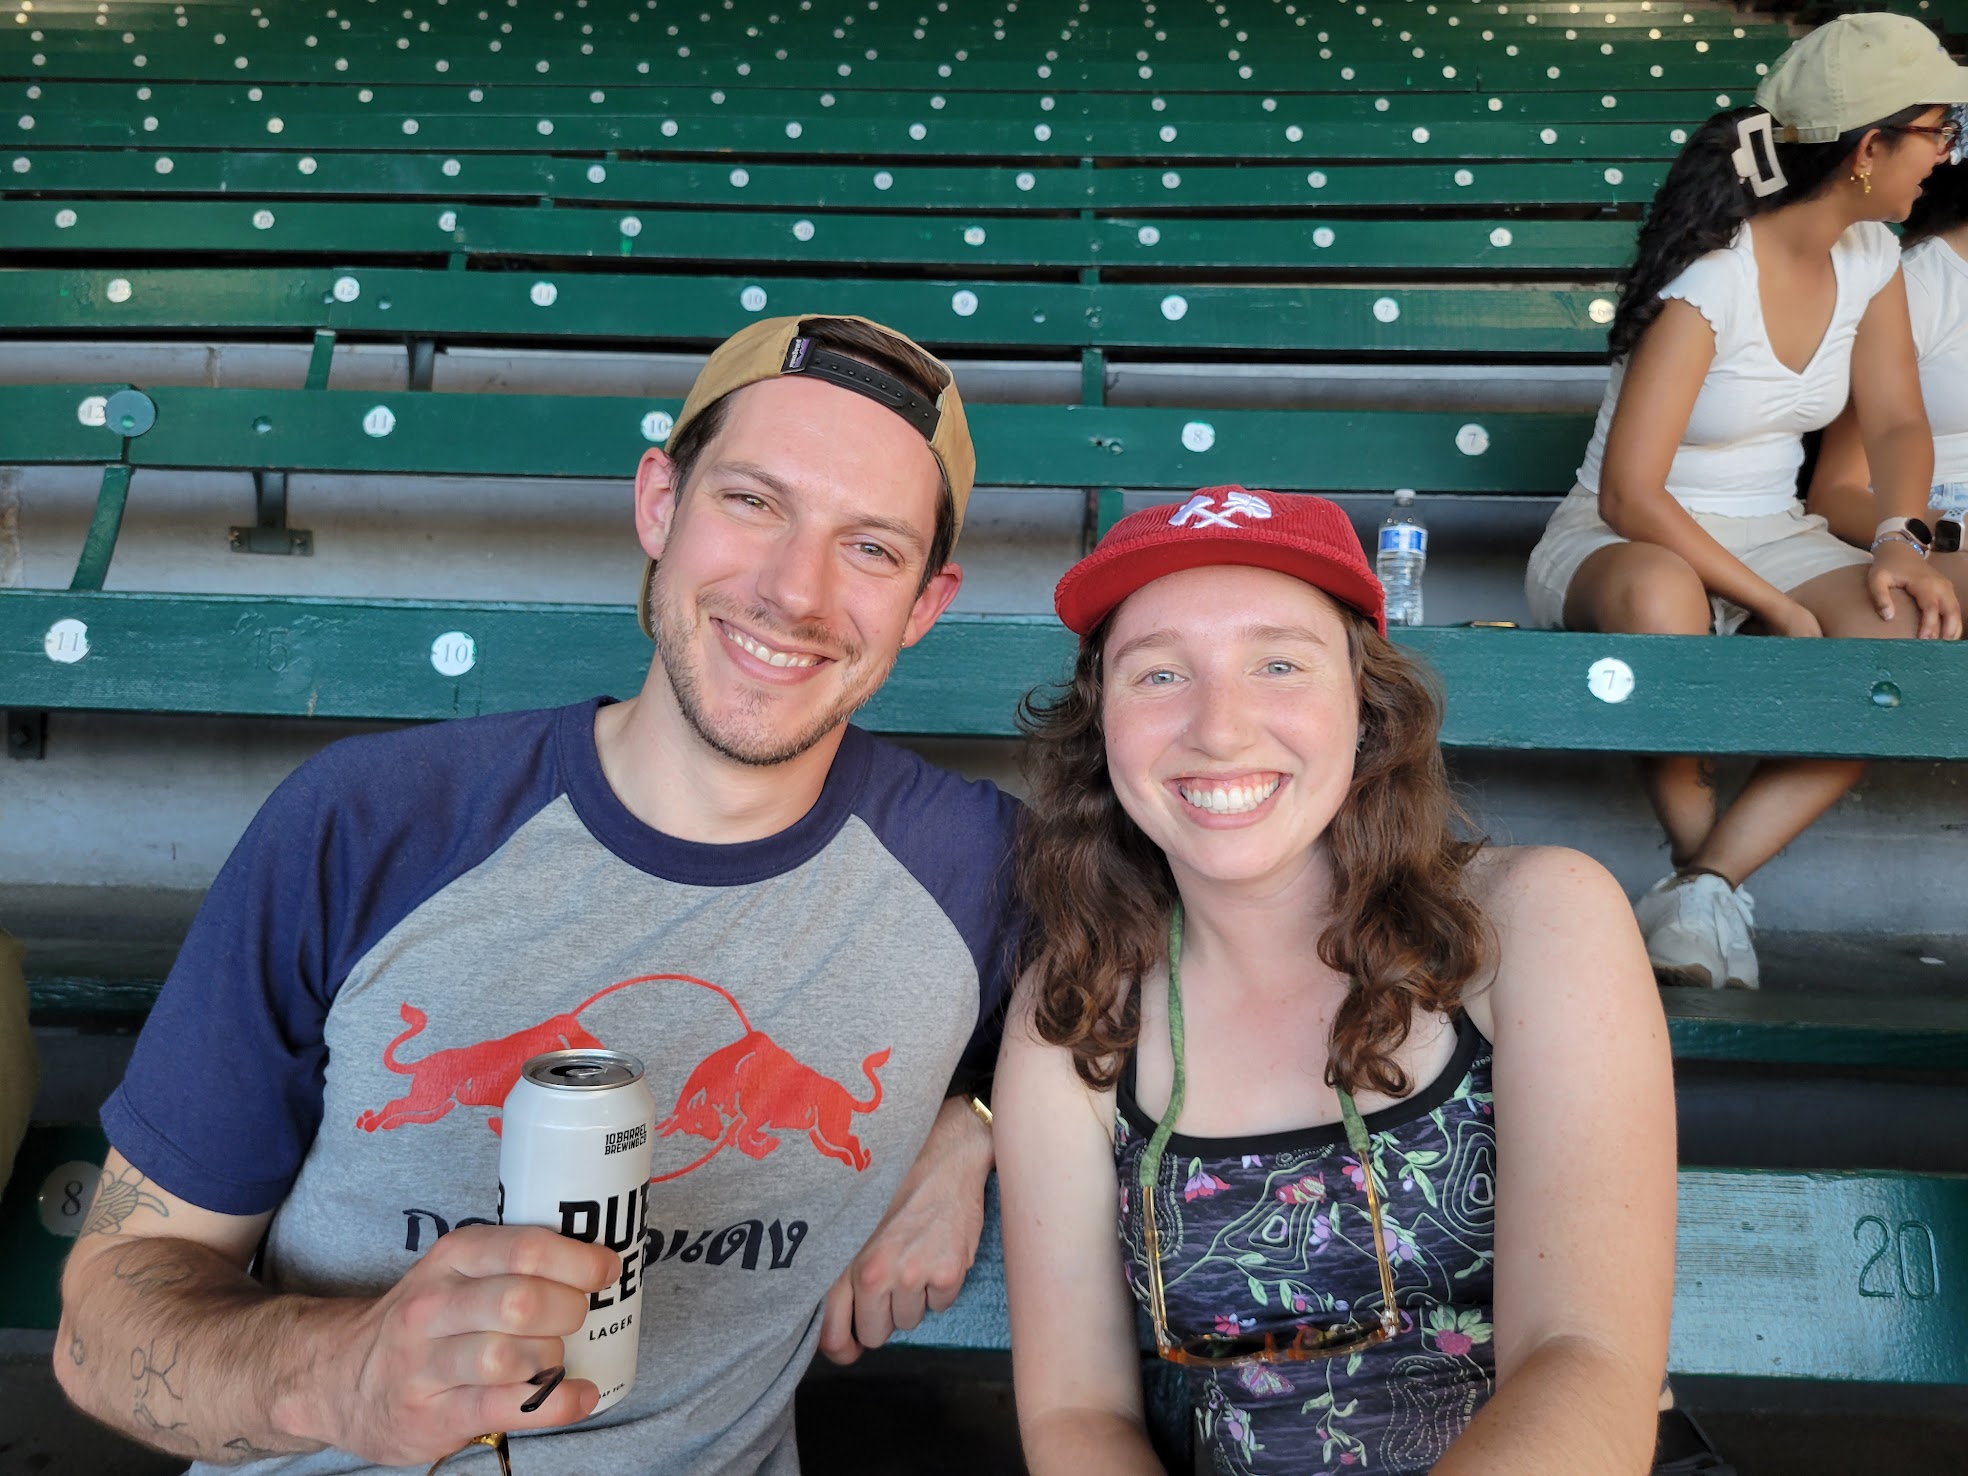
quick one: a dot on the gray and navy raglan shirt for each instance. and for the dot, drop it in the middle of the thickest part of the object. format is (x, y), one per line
(415, 914)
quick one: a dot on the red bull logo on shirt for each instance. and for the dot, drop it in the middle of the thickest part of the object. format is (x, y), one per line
(746, 1094)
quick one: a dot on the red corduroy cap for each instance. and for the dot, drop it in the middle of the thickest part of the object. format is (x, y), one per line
(1306, 537)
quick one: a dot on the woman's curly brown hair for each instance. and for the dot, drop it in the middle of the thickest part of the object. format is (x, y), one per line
(1403, 928)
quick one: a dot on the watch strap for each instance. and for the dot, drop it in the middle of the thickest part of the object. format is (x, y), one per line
(1917, 532)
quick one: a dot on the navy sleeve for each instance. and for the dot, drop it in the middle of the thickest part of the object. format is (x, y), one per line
(955, 837)
(223, 1095)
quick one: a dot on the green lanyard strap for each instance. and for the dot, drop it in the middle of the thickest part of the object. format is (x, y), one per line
(1151, 1161)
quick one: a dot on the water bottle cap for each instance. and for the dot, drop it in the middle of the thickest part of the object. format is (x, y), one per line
(1404, 496)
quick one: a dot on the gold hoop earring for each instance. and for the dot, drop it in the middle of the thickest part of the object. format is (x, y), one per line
(1863, 179)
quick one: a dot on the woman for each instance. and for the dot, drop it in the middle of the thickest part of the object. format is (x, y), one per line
(1275, 1006)
(1935, 263)
(1765, 290)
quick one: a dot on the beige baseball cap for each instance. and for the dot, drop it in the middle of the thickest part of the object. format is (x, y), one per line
(1856, 70)
(773, 347)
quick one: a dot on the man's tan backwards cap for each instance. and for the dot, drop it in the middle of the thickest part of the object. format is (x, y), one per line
(776, 346)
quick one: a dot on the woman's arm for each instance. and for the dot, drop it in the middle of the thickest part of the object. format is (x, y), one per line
(1899, 449)
(1892, 418)
(1075, 1369)
(1841, 483)
(1585, 1192)
(1662, 380)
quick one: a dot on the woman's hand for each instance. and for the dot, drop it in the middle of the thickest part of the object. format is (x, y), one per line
(1788, 618)
(1897, 565)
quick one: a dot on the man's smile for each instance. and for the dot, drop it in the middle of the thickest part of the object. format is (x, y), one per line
(759, 650)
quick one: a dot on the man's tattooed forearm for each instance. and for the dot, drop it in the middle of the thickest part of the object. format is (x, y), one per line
(119, 1196)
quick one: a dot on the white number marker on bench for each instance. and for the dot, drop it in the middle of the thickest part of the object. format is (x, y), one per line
(65, 1197)
(67, 641)
(1610, 679)
(454, 653)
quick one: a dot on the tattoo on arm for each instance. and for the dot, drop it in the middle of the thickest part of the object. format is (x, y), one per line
(158, 1401)
(1705, 771)
(119, 1196)
(75, 1349)
(146, 1269)
(240, 1445)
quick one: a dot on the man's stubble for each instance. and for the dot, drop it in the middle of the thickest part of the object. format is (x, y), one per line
(759, 747)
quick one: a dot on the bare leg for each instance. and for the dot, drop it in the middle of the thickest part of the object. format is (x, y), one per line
(1643, 589)
(1778, 804)
(1784, 796)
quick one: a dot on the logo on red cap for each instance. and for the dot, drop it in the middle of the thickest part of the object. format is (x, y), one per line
(1201, 510)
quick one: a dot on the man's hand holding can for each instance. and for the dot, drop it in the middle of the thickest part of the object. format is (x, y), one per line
(450, 1350)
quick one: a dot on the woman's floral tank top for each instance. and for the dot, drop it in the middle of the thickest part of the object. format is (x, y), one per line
(1273, 1230)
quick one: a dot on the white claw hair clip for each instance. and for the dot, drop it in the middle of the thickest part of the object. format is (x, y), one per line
(1760, 171)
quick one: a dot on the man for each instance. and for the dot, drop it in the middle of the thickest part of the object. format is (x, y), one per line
(796, 927)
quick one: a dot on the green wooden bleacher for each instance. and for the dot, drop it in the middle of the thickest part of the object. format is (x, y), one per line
(509, 256)
(1383, 183)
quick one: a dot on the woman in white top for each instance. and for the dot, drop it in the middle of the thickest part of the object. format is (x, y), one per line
(1765, 289)
(1935, 264)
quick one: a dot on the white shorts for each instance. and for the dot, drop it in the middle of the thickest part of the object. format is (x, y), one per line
(1788, 548)
(1949, 497)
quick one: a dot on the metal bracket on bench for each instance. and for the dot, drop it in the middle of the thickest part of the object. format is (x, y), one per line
(1104, 507)
(321, 360)
(27, 733)
(1103, 504)
(423, 362)
(99, 543)
(271, 535)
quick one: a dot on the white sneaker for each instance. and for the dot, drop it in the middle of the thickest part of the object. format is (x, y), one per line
(1738, 911)
(1686, 919)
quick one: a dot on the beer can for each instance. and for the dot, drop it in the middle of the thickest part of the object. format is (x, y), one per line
(574, 1157)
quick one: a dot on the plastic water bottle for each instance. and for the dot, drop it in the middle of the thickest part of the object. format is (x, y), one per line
(1400, 558)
